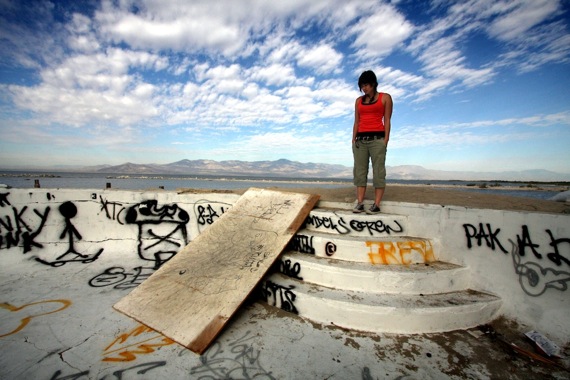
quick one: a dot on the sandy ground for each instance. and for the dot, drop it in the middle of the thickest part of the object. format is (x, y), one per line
(428, 194)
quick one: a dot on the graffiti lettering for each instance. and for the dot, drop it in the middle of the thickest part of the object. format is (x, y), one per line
(256, 256)
(119, 278)
(302, 243)
(481, 234)
(524, 242)
(4, 199)
(142, 369)
(241, 361)
(399, 252)
(328, 223)
(555, 256)
(281, 296)
(116, 208)
(376, 226)
(288, 270)
(207, 215)
(147, 341)
(330, 248)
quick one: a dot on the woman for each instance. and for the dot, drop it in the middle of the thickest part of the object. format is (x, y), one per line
(370, 135)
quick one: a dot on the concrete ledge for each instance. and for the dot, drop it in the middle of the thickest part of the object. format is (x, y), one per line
(435, 277)
(381, 313)
(371, 250)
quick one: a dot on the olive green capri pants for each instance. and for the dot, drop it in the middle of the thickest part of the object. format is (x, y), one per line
(363, 152)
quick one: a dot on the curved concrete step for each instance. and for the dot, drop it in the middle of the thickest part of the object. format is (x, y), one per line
(372, 250)
(345, 222)
(389, 313)
(435, 277)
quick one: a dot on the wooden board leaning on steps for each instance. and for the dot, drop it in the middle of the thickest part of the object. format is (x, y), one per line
(191, 297)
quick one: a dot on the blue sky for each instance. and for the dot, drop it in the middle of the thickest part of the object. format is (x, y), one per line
(478, 85)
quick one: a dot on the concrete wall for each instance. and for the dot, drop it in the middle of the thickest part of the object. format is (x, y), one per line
(522, 257)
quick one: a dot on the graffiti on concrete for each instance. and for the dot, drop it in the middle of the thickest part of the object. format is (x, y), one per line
(141, 369)
(536, 274)
(141, 340)
(112, 210)
(536, 279)
(238, 360)
(15, 228)
(400, 252)
(279, 296)
(207, 212)
(68, 210)
(302, 243)
(330, 248)
(20, 316)
(160, 230)
(120, 278)
(339, 225)
(483, 233)
(285, 267)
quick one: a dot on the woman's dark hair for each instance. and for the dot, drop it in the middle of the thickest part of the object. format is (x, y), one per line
(368, 77)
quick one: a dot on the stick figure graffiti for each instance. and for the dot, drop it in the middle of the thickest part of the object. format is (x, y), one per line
(68, 210)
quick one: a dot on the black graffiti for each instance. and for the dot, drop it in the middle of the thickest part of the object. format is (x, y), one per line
(302, 243)
(330, 248)
(68, 210)
(112, 209)
(207, 215)
(524, 242)
(280, 296)
(485, 233)
(239, 360)
(4, 199)
(119, 278)
(535, 279)
(339, 227)
(141, 370)
(29, 236)
(154, 246)
(256, 256)
(376, 226)
(555, 256)
(287, 269)
(21, 230)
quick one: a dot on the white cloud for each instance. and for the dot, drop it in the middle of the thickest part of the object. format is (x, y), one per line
(378, 34)
(323, 59)
(519, 17)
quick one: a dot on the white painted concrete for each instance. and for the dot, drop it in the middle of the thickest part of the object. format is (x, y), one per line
(97, 226)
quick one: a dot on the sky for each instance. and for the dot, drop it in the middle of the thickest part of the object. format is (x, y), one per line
(477, 85)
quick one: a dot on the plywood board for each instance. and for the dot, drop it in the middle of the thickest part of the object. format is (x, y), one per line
(191, 297)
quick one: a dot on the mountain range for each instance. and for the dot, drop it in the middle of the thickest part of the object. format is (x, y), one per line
(292, 169)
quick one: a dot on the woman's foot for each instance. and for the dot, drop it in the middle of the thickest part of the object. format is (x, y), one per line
(358, 208)
(375, 209)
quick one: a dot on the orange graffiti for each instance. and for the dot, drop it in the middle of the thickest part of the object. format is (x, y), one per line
(23, 322)
(126, 353)
(399, 252)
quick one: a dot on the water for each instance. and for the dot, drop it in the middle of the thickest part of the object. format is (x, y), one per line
(69, 180)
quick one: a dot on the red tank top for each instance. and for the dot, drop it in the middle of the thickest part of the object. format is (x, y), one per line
(371, 116)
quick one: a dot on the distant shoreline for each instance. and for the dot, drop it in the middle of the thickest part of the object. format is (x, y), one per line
(479, 185)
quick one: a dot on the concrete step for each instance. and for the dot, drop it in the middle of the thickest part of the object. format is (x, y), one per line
(345, 222)
(435, 277)
(371, 250)
(387, 313)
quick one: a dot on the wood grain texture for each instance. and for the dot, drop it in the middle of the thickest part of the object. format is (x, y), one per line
(191, 297)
